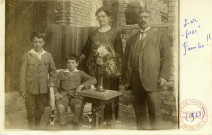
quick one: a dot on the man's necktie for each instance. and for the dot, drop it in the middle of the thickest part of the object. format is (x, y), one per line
(142, 35)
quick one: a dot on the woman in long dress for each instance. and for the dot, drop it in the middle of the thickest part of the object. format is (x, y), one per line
(108, 38)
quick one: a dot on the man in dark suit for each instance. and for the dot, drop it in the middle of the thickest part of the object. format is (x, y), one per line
(146, 67)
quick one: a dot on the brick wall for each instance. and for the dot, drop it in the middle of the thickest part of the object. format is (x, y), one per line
(170, 96)
(77, 12)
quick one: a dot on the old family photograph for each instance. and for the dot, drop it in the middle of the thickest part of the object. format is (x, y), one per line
(91, 64)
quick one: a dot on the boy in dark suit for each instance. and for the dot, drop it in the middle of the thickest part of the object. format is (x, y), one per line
(69, 82)
(36, 65)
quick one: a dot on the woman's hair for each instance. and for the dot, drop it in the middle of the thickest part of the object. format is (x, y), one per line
(107, 12)
(38, 35)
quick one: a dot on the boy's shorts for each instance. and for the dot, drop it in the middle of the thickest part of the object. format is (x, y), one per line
(69, 101)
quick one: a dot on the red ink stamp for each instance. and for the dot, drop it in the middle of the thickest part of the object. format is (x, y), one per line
(193, 115)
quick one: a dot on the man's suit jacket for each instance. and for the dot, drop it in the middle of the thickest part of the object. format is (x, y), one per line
(34, 73)
(154, 59)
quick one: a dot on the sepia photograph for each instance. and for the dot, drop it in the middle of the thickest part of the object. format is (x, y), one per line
(91, 64)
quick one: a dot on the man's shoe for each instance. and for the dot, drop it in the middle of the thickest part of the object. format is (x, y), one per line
(75, 125)
(63, 126)
(37, 122)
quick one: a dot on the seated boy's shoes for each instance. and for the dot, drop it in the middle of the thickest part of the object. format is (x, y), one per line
(63, 126)
(75, 125)
(109, 125)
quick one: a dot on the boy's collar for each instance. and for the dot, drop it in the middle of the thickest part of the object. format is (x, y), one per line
(34, 52)
(75, 70)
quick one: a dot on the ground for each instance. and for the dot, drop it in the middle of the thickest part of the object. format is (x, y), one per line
(123, 123)
(84, 124)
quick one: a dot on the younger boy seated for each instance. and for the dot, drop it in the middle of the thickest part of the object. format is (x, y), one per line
(69, 82)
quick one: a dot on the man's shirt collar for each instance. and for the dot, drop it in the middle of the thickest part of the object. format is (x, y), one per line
(144, 31)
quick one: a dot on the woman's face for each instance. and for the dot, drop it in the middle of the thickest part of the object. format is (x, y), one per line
(102, 18)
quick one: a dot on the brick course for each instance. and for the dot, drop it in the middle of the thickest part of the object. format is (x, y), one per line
(77, 12)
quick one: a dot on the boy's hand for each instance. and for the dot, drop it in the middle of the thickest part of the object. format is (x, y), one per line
(79, 88)
(58, 96)
(23, 94)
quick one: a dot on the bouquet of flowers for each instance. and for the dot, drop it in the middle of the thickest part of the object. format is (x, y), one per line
(104, 58)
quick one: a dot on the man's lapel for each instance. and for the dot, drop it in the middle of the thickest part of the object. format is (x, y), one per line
(133, 45)
(134, 40)
(146, 39)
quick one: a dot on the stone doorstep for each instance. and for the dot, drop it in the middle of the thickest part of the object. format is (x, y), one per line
(18, 126)
(15, 119)
(13, 98)
(15, 108)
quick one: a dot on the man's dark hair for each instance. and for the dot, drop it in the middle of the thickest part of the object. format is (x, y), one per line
(38, 35)
(107, 12)
(72, 57)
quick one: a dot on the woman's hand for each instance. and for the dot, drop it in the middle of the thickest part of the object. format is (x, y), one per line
(99, 61)
(81, 57)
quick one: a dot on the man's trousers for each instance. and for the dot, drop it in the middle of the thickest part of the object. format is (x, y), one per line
(144, 99)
